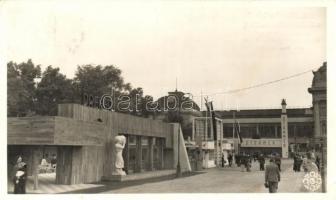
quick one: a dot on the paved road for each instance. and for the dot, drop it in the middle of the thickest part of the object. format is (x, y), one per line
(216, 180)
(213, 181)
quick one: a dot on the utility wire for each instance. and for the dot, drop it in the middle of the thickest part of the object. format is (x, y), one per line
(259, 85)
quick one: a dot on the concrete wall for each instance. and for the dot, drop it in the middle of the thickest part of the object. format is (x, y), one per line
(85, 136)
(118, 123)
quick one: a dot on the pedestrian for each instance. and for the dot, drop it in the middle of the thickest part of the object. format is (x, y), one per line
(223, 160)
(299, 163)
(20, 176)
(278, 161)
(272, 176)
(310, 165)
(242, 162)
(261, 160)
(230, 159)
(309, 168)
(304, 163)
(248, 163)
(295, 163)
(237, 159)
(53, 162)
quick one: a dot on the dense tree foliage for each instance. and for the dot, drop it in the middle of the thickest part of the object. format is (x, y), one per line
(53, 89)
(27, 97)
(21, 88)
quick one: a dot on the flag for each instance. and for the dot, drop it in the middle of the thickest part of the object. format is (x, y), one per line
(210, 109)
(237, 130)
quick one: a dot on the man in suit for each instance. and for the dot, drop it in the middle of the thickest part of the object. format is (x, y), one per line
(272, 176)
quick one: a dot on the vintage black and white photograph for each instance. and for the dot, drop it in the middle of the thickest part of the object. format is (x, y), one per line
(164, 97)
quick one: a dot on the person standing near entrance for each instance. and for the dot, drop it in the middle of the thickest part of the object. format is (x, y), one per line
(20, 176)
(272, 176)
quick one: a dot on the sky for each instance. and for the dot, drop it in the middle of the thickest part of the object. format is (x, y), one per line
(204, 47)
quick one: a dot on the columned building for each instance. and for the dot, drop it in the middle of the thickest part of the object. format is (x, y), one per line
(319, 141)
(319, 93)
(263, 130)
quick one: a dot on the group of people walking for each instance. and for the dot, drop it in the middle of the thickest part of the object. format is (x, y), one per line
(244, 161)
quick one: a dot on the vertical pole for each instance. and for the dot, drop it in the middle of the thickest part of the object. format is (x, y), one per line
(162, 164)
(295, 138)
(234, 133)
(201, 100)
(178, 167)
(322, 166)
(206, 138)
(150, 153)
(138, 157)
(206, 126)
(193, 138)
(126, 155)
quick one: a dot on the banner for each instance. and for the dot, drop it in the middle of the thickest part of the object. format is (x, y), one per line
(284, 135)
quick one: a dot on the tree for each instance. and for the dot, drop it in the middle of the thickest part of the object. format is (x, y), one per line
(53, 89)
(21, 88)
(139, 101)
(98, 80)
(25, 98)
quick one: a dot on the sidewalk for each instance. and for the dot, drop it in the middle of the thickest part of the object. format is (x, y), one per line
(291, 182)
(47, 185)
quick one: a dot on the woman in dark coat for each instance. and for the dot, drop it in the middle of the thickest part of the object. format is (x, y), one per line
(20, 176)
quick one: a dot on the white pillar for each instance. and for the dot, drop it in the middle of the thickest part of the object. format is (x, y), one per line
(284, 130)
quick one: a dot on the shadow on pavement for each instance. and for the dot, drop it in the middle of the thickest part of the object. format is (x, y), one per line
(109, 185)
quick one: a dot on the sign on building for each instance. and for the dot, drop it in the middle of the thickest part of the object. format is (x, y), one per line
(261, 143)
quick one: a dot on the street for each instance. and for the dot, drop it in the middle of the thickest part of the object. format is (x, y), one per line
(215, 180)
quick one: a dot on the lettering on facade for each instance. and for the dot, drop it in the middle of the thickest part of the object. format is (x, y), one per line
(262, 143)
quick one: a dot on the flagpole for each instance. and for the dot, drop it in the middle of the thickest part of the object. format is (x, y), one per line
(233, 131)
(206, 133)
(206, 125)
(201, 100)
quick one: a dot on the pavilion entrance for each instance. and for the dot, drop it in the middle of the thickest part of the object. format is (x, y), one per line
(143, 153)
